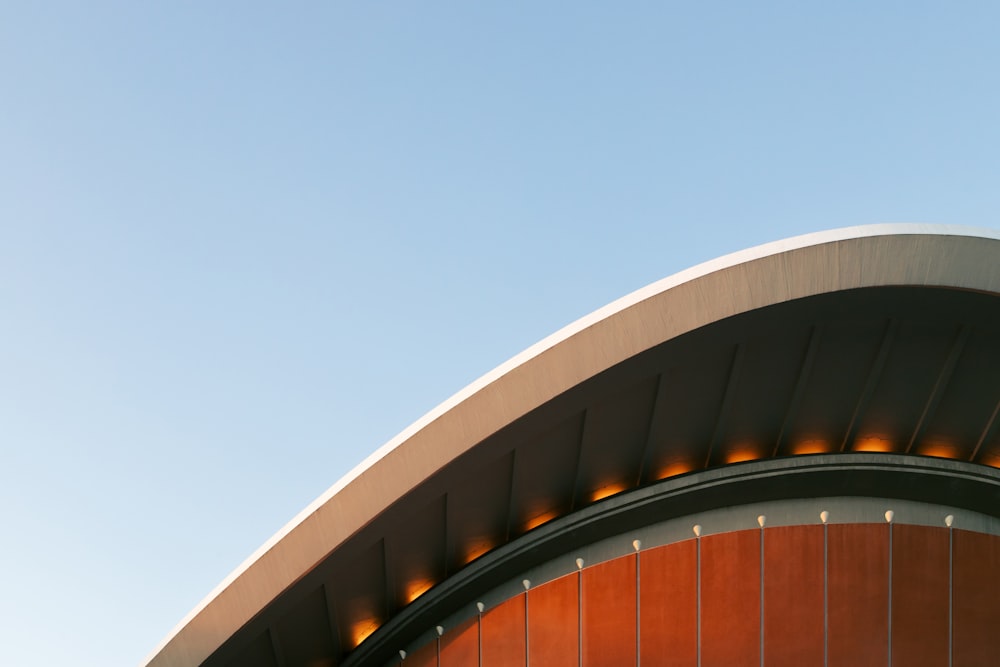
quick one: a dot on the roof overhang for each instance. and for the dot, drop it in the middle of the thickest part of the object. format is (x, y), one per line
(910, 292)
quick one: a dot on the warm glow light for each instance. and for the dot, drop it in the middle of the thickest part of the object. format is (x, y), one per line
(361, 630)
(539, 519)
(417, 588)
(606, 491)
(993, 461)
(741, 455)
(940, 449)
(810, 447)
(675, 469)
(476, 550)
(872, 444)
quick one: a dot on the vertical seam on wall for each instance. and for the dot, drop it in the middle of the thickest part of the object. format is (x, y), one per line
(479, 633)
(527, 651)
(762, 596)
(579, 617)
(638, 618)
(826, 595)
(890, 597)
(697, 543)
(951, 594)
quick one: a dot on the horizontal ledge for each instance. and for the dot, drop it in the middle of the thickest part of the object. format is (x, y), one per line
(892, 476)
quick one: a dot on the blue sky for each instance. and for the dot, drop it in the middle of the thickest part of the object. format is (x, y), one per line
(243, 245)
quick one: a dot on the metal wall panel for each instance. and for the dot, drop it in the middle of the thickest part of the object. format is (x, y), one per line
(668, 605)
(919, 595)
(730, 599)
(553, 623)
(794, 596)
(858, 601)
(609, 610)
(503, 634)
(976, 603)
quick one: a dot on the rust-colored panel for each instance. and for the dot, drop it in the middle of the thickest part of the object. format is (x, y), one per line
(553, 623)
(976, 590)
(425, 656)
(609, 613)
(668, 606)
(460, 646)
(793, 596)
(919, 595)
(503, 634)
(858, 588)
(730, 599)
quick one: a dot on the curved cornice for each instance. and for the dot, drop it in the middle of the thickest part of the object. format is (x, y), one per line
(942, 482)
(845, 259)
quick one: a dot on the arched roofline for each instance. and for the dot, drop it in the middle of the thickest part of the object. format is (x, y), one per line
(803, 266)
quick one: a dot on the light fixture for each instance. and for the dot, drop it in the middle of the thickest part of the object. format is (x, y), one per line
(606, 491)
(673, 469)
(539, 519)
(747, 453)
(417, 588)
(872, 443)
(361, 629)
(810, 447)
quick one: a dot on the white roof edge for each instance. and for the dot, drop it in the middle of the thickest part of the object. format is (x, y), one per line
(641, 294)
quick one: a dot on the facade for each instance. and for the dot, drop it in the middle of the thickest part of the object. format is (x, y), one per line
(787, 456)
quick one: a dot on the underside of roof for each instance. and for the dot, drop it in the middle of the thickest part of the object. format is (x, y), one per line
(869, 343)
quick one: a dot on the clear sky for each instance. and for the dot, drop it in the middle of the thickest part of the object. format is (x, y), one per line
(243, 244)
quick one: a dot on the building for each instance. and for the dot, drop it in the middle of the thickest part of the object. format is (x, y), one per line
(786, 456)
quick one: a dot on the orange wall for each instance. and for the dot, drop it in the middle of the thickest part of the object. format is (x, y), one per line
(460, 647)
(858, 603)
(609, 613)
(976, 591)
(503, 634)
(730, 599)
(920, 595)
(668, 630)
(554, 618)
(793, 596)
(819, 591)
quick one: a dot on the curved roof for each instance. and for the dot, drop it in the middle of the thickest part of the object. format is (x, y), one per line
(865, 338)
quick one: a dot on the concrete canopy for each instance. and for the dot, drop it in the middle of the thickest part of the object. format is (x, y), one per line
(882, 338)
